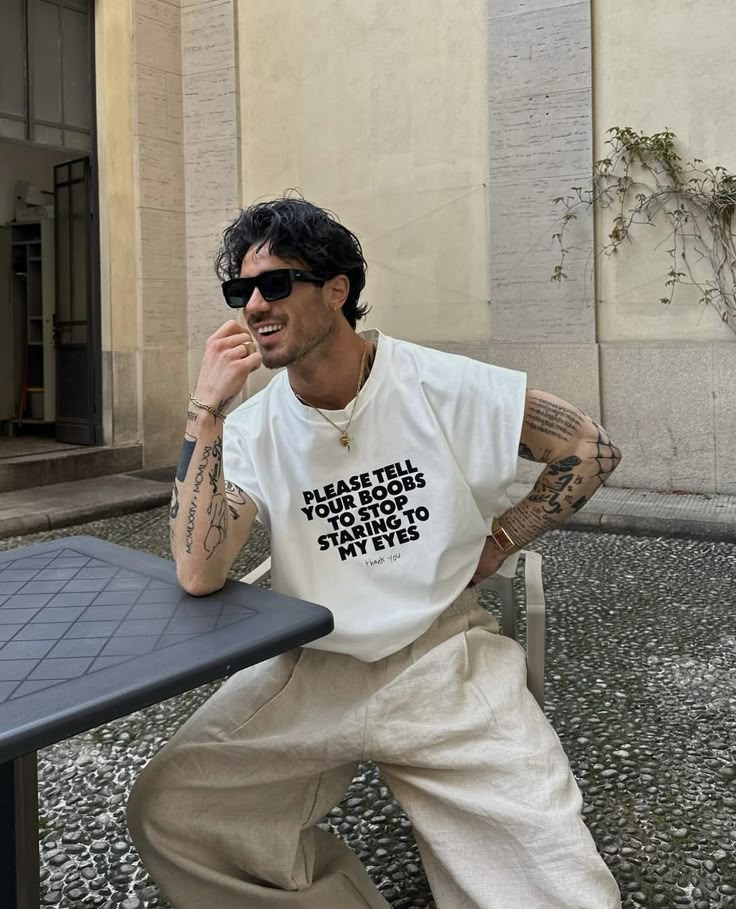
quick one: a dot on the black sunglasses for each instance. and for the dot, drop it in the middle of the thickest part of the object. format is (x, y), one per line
(273, 285)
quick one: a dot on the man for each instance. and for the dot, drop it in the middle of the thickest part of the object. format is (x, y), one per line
(377, 466)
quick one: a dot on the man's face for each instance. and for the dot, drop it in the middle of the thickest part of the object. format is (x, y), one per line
(302, 321)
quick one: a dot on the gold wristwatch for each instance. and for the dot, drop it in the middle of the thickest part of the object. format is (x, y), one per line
(502, 538)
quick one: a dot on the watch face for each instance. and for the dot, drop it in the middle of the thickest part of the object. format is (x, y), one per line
(502, 540)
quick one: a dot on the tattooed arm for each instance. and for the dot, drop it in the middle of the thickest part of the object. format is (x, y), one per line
(579, 455)
(211, 518)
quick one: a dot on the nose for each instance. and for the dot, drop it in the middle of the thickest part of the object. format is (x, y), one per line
(256, 304)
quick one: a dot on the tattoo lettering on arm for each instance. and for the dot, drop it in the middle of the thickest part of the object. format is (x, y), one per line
(579, 457)
(558, 420)
(562, 489)
(185, 457)
(194, 504)
(552, 495)
(235, 496)
(217, 508)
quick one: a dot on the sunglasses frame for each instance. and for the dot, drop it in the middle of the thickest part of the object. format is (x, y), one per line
(293, 274)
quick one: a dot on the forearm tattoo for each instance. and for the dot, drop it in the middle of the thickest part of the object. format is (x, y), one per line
(235, 496)
(566, 484)
(185, 456)
(225, 402)
(217, 507)
(553, 419)
(205, 492)
(525, 452)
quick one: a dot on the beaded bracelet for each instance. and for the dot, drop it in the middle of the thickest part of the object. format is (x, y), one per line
(215, 413)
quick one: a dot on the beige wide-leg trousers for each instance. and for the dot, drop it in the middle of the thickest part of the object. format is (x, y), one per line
(224, 816)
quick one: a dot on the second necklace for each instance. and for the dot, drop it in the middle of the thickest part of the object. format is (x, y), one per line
(344, 439)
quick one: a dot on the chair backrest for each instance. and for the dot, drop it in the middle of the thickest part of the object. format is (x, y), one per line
(535, 617)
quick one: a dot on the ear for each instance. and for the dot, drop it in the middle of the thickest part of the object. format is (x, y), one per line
(336, 291)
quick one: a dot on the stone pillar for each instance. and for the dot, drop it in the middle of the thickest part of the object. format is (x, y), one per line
(142, 227)
(117, 221)
(211, 158)
(162, 285)
(541, 144)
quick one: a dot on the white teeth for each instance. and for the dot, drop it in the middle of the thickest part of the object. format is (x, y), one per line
(269, 329)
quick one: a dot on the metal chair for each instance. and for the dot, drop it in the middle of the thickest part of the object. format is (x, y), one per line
(535, 615)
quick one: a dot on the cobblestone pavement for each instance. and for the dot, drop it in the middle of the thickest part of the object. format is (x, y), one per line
(641, 687)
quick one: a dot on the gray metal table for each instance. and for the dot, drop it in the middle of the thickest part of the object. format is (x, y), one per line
(91, 631)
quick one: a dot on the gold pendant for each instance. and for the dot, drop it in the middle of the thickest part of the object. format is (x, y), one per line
(345, 440)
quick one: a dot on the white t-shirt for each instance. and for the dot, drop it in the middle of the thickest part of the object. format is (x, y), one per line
(388, 534)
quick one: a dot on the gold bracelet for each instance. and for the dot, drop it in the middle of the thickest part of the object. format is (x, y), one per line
(502, 538)
(215, 413)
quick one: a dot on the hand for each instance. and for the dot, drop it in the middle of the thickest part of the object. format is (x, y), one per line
(491, 559)
(230, 356)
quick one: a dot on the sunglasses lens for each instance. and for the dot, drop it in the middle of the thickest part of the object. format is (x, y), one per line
(238, 292)
(274, 285)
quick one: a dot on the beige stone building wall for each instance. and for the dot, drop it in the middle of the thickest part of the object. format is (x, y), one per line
(541, 137)
(160, 208)
(441, 141)
(659, 378)
(211, 158)
(169, 182)
(668, 374)
(118, 221)
(376, 110)
(142, 224)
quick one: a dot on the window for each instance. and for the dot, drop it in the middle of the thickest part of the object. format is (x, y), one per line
(46, 72)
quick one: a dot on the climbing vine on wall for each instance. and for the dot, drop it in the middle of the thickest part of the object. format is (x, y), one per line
(643, 181)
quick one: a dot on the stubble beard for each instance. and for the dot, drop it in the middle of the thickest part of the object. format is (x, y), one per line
(301, 347)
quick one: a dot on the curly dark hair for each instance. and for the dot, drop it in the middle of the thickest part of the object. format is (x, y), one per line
(297, 230)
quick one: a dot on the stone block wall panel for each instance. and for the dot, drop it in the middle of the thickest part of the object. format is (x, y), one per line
(161, 200)
(658, 404)
(724, 381)
(541, 144)
(212, 158)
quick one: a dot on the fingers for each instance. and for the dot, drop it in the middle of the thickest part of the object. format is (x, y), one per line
(232, 341)
(254, 360)
(227, 329)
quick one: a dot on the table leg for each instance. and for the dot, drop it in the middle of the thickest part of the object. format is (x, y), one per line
(19, 855)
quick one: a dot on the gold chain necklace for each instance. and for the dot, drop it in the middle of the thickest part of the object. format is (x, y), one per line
(345, 439)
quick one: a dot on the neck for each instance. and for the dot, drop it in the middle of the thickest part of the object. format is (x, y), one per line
(330, 380)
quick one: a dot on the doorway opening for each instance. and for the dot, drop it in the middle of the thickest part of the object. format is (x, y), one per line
(50, 350)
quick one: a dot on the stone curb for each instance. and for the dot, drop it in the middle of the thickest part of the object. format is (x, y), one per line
(639, 525)
(64, 516)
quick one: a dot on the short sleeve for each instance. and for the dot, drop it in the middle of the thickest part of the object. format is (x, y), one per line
(238, 463)
(481, 409)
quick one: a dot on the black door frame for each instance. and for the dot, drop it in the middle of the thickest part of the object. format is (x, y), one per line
(77, 425)
(94, 244)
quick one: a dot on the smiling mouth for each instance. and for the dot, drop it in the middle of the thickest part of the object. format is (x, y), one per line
(267, 330)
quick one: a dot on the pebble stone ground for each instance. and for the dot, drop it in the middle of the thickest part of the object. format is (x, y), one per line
(641, 688)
